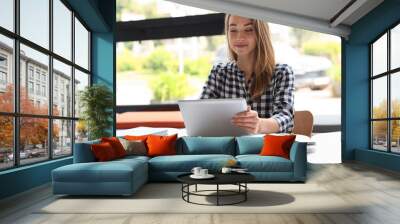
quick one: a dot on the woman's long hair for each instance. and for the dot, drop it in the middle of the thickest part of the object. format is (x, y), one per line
(264, 63)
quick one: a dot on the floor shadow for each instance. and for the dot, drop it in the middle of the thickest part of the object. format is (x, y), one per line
(255, 198)
(148, 191)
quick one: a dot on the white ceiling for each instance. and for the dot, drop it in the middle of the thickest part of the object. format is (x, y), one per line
(315, 15)
(321, 9)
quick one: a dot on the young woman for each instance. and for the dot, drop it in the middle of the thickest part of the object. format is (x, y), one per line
(252, 74)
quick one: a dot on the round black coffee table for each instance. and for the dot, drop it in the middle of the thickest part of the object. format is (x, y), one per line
(238, 179)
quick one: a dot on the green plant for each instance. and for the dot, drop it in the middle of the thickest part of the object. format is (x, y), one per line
(334, 72)
(96, 102)
(198, 67)
(161, 60)
(126, 61)
(170, 86)
(330, 49)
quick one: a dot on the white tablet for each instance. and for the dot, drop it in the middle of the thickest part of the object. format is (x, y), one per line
(212, 117)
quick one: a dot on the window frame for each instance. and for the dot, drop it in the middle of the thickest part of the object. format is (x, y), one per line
(3, 69)
(388, 74)
(16, 114)
(167, 28)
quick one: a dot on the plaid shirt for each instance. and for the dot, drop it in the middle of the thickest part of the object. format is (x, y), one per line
(227, 81)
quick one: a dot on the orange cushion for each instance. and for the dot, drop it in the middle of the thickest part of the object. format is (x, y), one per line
(116, 145)
(277, 145)
(103, 151)
(161, 145)
(136, 138)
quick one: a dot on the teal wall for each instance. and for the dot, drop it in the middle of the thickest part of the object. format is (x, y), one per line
(355, 96)
(24, 178)
(380, 159)
(103, 52)
(99, 15)
(103, 65)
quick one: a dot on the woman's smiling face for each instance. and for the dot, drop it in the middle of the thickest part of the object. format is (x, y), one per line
(241, 35)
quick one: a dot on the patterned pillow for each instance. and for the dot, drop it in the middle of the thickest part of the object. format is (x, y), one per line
(134, 147)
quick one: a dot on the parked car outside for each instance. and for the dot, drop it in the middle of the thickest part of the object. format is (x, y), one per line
(310, 71)
(315, 80)
(22, 155)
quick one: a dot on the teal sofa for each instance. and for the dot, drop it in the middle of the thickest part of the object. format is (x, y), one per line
(125, 176)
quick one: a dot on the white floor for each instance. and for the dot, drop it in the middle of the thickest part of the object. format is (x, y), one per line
(326, 150)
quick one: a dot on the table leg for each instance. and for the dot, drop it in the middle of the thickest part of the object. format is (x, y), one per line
(217, 194)
(196, 188)
(188, 189)
(245, 193)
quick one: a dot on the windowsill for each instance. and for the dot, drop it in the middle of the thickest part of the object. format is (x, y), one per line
(382, 159)
(380, 152)
(25, 167)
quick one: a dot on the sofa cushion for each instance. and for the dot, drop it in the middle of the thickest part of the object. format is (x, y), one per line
(257, 163)
(116, 145)
(132, 158)
(206, 145)
(277, 145)
(103, 151)
(134, 147)
(83, 152)
(249, 145)
(159, 145)
(136, 137)
(111, 171)
(185, 163)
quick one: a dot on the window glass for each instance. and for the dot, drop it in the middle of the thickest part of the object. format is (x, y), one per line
(81, 45)
(34, 21)
(62, 141)
(395, 94)
(34, 80)
(395, 47)
(30, 58)
(6, 74)
(6, 142)
(62, 29)
(33, 140)
(379, 56)
(81, 81)
(7, 14)
(81, 131)
(395, 136)
(62, 89)
(164, 71)
(379, 98)
(379, 135)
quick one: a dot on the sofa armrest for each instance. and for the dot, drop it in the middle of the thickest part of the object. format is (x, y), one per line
(83, 152)
(298, 155)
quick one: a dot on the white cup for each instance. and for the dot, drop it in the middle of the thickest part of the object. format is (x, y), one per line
(226, 170)
(203, 172)
(196, 170)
